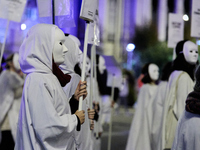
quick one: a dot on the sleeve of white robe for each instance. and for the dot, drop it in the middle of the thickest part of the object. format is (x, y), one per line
(50, 127)
(185, 86)
(15, 81)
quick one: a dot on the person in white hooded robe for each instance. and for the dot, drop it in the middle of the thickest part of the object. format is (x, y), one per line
(180, 84)
(139, 135)
(11, 83)
(45, 119)
(158, 104)
(187, 132)
(83, 137)
(104, 90)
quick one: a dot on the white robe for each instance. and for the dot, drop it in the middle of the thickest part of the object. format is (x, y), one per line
(83, 137)
(11, 90)
(139, 133)
(45, 119)
(187, 133)
(184, 86)
(157, 110)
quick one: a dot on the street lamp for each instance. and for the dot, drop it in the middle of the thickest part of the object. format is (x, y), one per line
(129, 48)
(185, 17)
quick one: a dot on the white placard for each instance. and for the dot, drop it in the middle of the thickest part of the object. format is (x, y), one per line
(62, 8)
(175, 29)
(63, 11)
(94, 37)
(12, 9)
(91, 33)
(88, 8)
(195, 22)
(118, 77)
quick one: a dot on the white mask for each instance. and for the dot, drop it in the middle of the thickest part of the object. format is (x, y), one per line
(16, 61)
(87, 65)
(153, 72)
(102, 65)
(79, 56)
(59, 48)
(190, 52)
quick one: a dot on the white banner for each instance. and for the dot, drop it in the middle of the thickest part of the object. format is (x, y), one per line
(62, 8)
(12, 9)
(175, 29)
(63, 11)
(195, 22)
(88, 8)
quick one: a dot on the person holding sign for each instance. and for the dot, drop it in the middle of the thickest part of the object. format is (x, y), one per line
(139, 135)
(180, 84)
(45, 119)
(83, 137)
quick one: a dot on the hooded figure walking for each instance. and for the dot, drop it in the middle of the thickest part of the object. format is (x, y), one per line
(45, 119)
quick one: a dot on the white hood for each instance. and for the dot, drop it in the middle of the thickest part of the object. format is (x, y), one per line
(71, 57)
(37, 43)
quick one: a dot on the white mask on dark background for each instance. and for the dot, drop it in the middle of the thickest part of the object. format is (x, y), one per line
(153, 72)
(102, 65)
(190, 52)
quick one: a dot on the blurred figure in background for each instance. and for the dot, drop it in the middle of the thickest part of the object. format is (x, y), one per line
(127, 93)
(139, 133)
(187, 134)
(11, 83)
(158, 106)
(180, 84)
(105, 91)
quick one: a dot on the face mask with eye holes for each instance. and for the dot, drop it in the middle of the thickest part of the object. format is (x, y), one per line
(16, 61)
(153, 72)
(59, 48)
(190, 52)
(101, 65)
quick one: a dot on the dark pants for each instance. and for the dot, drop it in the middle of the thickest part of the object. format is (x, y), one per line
(7, 142)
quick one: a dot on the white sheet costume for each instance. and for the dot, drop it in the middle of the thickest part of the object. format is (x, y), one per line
(45, 120)
(158, 104)
(139, 135)
(83, 137)
(179, 86)
(187, 132)
(178, 89)
(11, 91)
(138, 139)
